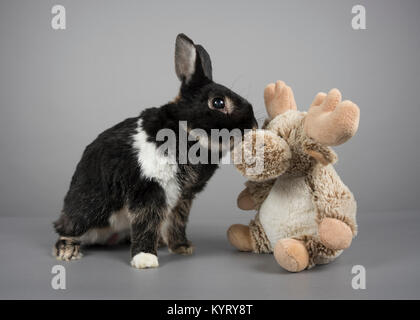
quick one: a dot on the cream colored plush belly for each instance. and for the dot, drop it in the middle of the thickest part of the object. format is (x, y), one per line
(288, 211)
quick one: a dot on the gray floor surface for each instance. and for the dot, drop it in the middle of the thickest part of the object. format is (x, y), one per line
(386, 247)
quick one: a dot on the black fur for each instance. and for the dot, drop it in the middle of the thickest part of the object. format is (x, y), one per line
(108, 176)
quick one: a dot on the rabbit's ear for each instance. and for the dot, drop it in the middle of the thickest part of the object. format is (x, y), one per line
(205, 61)
(191, 61)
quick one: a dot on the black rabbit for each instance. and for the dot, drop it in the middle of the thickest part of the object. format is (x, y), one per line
(125, 188)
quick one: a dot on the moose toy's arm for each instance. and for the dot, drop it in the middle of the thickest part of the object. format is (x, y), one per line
(263, 154)
(252, 197)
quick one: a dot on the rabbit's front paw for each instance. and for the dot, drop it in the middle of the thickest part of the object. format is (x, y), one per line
(144, 260)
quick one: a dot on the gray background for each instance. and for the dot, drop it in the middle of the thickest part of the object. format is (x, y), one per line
(59, 89)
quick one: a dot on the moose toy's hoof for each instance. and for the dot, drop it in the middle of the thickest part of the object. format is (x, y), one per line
(335, 234)
(291, 255)
(239, 237)
(245, 201)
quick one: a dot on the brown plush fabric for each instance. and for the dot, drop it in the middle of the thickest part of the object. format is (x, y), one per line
(259, 240)
(274, 150)
(289, 127)
(296, 144)
(259, 191)
(323, 154)
(318, 252)
(331, 196)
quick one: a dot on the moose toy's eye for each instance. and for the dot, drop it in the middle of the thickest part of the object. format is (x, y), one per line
(218, 103)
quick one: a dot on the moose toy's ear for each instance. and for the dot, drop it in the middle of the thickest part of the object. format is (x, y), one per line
(192, 62)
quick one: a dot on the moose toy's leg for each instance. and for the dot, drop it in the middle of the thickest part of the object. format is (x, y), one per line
(336, 208)
(291, 254)
(249, 238)
(335, 234)
(239, 236)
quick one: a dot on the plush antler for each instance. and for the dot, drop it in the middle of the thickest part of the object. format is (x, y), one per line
(278, 99)
(331, 121)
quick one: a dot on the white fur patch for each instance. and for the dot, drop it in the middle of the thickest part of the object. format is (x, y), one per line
(288, 210)
(119, 223)
(157, 166)
(144, 260)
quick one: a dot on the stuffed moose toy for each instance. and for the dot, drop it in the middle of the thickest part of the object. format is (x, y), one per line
(305, 214)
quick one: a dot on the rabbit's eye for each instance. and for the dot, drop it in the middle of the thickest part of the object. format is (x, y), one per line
(221, 104)
(218, 103)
